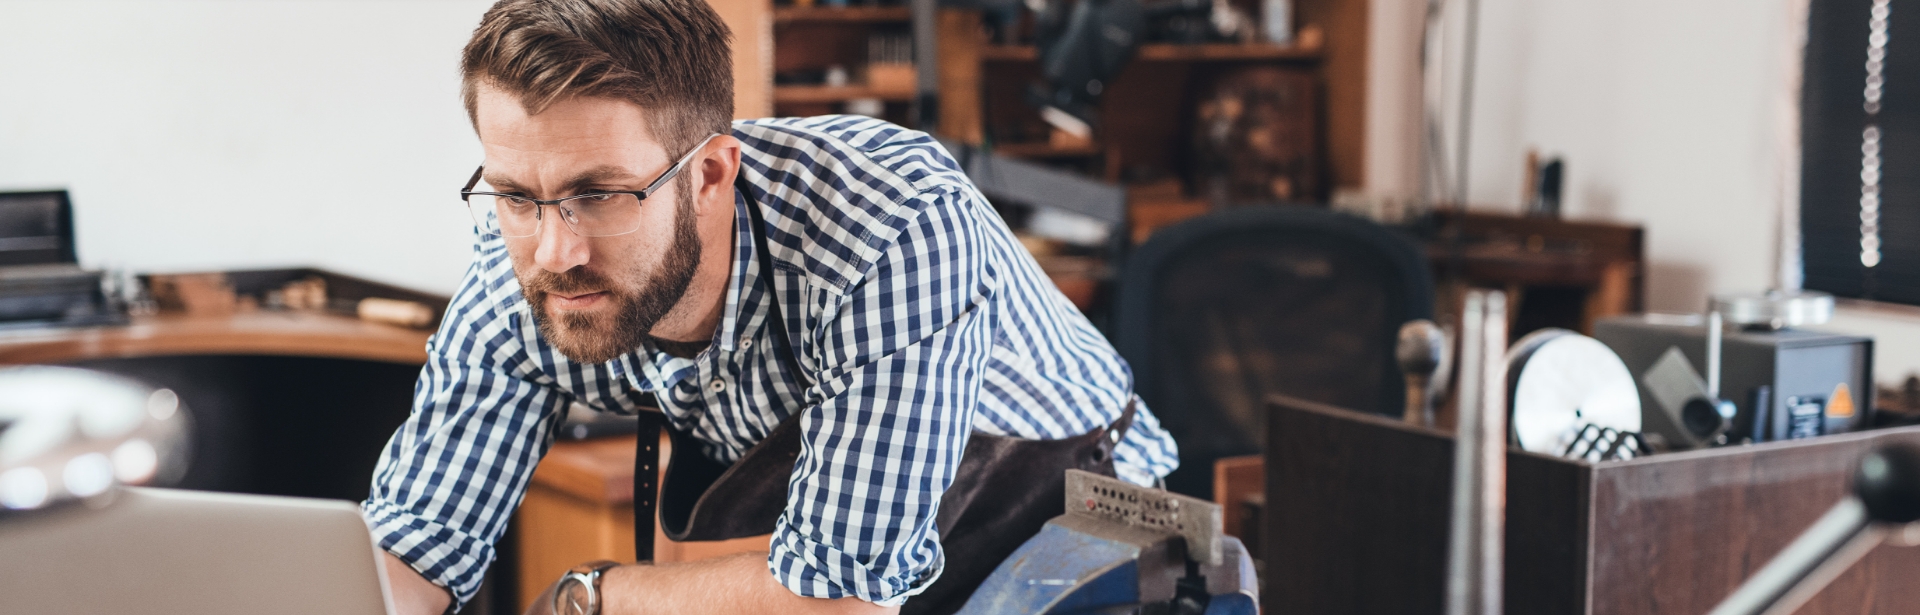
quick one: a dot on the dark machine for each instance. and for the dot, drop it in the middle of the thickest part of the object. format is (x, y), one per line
(41, 281)
(1766, 378)
(1084, 45)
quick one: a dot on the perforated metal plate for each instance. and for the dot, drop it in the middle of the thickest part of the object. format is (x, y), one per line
(1117, 501)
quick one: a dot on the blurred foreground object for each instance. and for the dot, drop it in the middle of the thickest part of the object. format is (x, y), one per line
(1882, 508)
(177, 551)
(70, 434)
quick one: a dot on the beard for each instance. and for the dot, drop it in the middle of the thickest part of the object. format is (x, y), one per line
(636, 303)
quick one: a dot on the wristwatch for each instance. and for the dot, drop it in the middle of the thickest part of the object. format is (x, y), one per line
(579, 591)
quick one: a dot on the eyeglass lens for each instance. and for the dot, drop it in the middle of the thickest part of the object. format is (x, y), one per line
(596, 215)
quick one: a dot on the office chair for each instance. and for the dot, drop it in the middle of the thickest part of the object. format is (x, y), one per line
(1220, 311)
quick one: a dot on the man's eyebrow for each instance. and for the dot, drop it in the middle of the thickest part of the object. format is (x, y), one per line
(600, 175)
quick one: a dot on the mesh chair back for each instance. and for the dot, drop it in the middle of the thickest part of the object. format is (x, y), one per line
(1218, 312)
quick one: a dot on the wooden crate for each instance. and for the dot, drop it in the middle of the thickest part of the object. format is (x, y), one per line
(1357, 515)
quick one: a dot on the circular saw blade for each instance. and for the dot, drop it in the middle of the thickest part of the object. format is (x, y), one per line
(1560, 381)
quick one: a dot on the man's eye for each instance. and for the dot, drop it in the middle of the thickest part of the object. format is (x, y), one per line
(598, 197)
(519, 201)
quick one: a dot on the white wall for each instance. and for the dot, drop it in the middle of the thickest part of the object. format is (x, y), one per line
(199, 135)
(1677, 116)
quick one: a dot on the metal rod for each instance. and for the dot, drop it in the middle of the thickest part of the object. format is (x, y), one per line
(1463, 146)
(926, 63)
(1831, 546)
(1476, 541)
(1715, 334)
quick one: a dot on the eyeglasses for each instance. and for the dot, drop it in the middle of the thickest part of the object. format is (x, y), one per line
(594, 214)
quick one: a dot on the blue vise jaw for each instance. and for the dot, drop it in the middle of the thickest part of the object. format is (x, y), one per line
(1121, 548)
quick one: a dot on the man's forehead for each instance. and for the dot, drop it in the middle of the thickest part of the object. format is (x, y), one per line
(568, 123)
(573, 141)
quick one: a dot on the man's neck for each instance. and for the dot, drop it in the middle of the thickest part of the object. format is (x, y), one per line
(699, 313)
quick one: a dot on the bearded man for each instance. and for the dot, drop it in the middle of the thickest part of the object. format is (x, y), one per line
(834, 285)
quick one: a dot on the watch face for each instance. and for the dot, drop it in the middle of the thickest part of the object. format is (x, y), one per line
(575, 597)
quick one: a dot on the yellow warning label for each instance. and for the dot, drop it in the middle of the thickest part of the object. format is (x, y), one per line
(1841, 404)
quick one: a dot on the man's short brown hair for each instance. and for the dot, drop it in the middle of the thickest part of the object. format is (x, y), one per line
(671, 57)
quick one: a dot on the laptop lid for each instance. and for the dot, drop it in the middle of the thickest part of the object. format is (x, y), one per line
(175, 551)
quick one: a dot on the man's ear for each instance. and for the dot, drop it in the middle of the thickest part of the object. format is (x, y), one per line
(716, 169)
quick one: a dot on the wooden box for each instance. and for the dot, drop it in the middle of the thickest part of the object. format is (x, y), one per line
(1357, 515)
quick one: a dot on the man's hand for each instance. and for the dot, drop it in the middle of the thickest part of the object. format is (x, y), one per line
(413, 594)
(732, 584)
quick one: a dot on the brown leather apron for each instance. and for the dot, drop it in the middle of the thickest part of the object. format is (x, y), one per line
(1003, 492)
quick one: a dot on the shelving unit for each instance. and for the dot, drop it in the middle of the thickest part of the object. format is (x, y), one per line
(841, 14)
(1166, 52)
(813, 38)
(825, 94)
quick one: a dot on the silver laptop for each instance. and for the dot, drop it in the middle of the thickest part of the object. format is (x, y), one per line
(172, 551)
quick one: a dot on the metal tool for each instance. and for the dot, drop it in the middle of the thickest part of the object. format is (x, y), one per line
(1775, 309)
(1781, 383)
(1475, 543)
(1884, 505)
(1422, 354)
(1122, 548)
(69, 434)
(1571, 396)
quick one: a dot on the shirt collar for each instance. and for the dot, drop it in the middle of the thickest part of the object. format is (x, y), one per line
(651, 369)
(745, 275)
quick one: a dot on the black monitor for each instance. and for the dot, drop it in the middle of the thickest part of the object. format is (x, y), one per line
(36, 228)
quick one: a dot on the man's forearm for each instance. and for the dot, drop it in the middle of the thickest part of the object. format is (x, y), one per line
(732, 584)
(413, 594)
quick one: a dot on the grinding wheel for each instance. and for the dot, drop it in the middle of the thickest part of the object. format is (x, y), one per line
(1559, 382)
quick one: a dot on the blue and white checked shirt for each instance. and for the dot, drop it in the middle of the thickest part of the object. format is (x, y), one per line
(917, 315)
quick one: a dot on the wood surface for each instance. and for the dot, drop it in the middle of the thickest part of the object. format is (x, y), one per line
(1357, 509)
(1343, 73)
(1238, 481)
(752, 24)
(958, 47)
(1675, 533)
(800, 94)
(261, 332)
(1171, 52)
(579, 508)
(854, 14)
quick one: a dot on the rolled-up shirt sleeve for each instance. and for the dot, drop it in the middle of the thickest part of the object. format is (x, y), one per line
(454, 472)
(904, 352)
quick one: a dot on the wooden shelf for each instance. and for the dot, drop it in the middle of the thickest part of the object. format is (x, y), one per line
(832, 94)
(1047, 150)
(1168, 52)
(841, 14)
(260, 332)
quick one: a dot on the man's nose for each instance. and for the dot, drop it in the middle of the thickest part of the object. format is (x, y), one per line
(560, 249)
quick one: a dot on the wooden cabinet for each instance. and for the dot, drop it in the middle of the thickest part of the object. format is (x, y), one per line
(1357, 522)
(580, 509)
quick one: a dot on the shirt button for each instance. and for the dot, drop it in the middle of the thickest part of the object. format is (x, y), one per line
(746, 344)
(717, 385)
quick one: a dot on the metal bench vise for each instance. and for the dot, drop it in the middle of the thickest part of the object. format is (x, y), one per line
(1123, 548)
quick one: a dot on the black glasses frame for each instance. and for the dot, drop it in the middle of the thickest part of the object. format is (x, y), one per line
(467, 191)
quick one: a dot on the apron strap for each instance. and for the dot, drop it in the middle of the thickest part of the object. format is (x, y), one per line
(646, 481)
(646, 459)
(777, 319)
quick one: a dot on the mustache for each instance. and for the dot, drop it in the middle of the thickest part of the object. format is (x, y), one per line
(575, 281)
